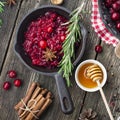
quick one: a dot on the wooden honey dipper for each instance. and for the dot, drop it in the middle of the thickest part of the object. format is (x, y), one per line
(95, 73)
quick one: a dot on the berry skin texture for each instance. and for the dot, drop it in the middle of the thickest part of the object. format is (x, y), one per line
(63, 38)
(6, 85)
(98, 48)
(12, 74)
(49, 29)
(116, 6)
(115, 16)
(17, 82)
(118, 26)
(42, 44)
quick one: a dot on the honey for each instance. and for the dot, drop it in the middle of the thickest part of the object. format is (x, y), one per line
(85, 81)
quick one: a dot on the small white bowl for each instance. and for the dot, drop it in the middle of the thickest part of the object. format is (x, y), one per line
(95, 88)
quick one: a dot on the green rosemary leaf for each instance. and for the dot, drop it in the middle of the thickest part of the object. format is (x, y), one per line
(2, 3)
(1, 7)
(73, 34)
(1, 10)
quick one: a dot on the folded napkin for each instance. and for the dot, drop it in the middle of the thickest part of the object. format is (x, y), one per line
(99, 26)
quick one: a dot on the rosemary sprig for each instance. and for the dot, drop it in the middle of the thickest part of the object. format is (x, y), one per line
(73, 33)
(1, 6)
(1, 10)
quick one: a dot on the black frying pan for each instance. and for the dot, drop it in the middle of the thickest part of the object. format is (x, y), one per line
(106, 18)
(65, 98)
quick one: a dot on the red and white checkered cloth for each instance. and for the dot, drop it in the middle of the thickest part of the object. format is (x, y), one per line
(99, 26)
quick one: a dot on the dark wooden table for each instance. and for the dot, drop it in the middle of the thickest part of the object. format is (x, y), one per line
(82, 100)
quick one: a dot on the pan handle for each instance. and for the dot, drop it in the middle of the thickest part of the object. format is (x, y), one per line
(64, 95)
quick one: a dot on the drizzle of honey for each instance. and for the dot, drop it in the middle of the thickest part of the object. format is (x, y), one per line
(85, 81)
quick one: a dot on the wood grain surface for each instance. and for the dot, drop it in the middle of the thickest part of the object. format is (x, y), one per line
(82, 100)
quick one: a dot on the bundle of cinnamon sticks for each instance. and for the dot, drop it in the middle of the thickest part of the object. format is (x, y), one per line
(35, 102)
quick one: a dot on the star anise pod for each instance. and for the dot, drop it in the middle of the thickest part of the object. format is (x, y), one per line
(88, 114)
(49, 54)
(11, 2)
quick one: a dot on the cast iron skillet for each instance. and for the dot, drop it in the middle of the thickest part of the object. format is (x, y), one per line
(65, 98)
(105, 15)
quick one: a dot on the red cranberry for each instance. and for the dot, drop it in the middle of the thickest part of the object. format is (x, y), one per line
(116, 6)
(42, 44)
(98, 48)
(118, 26)
(6, 85)
(49, 29)
(53, 15)
(12, 74)
(115, 16)
(17, 82)
(62, 38)
(33, 35)
(35, 61)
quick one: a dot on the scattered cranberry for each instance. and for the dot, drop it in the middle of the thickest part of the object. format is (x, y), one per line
(17, 82)
(42, 44)
(6, 85)
(12, 74)
(98, 48)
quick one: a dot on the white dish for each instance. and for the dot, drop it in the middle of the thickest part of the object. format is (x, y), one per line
(95, 88)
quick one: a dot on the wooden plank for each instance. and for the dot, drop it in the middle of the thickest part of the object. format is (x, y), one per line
(9, 18)
(12, 62)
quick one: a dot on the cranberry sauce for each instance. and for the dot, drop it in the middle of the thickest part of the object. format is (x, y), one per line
(44, 38)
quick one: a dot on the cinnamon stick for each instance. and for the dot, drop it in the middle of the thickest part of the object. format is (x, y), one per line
(36, 99)
(32, 86)
(28, 96)
(49, 95)
(36, 92)
(16, 107)
(44, 107)
(25, 113)
(37, 107)
(44, 91)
